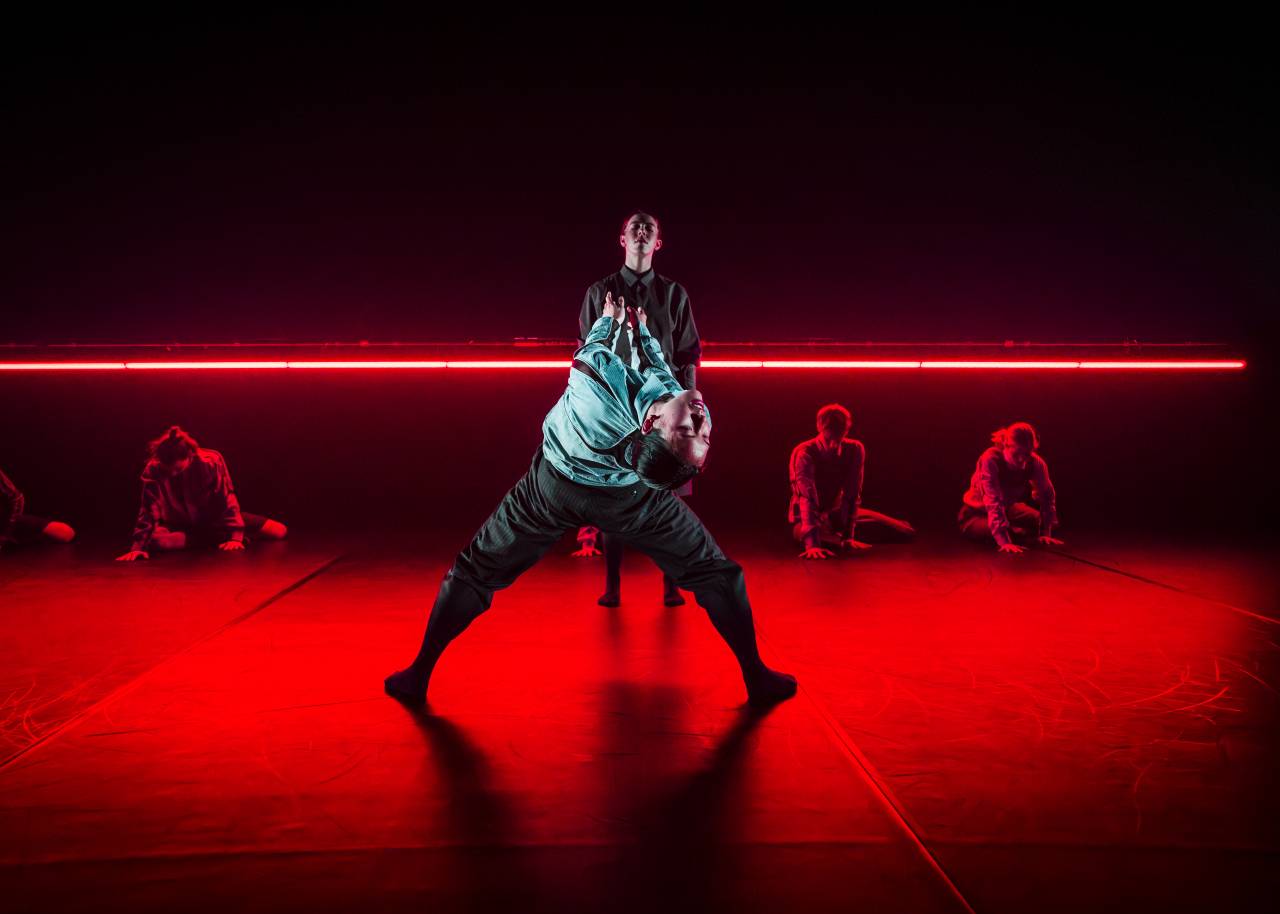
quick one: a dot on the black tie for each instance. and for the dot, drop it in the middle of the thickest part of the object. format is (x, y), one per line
(623, 348)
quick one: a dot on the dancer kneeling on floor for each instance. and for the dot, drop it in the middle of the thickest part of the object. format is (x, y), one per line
(19, 528)
(1010, 498)
(188, 501)
(614, 448)
(826, 492)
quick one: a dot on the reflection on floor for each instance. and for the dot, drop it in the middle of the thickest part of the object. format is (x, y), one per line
(981, 732)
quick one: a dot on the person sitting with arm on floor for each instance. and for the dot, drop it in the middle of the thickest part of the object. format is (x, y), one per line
(20, 528)
(1009, 477)
(826, 492)
(615, 447)
(188, 500)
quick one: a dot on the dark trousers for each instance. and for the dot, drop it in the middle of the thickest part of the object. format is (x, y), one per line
(202, 536)
(613, 547)
(1024, 522)
(535, 514)
(871, 527)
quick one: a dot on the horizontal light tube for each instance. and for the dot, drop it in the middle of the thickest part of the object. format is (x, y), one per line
(563, 364)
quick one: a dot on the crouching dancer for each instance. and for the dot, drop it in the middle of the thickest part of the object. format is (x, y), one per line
(1009, 475)
(614, 448)
(188, 500)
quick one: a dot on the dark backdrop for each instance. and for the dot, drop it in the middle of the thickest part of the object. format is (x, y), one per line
(327, 178)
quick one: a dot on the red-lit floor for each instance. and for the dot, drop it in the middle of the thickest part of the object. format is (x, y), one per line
(1044, 734)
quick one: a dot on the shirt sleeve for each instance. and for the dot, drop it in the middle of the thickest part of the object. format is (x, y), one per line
(686, 345)
(1042, 491)
(149, 515)
(804, 490)
(600, 334)
(988, 479)
(231, 519)
(11, 505)
(653, 353)
(591, 311)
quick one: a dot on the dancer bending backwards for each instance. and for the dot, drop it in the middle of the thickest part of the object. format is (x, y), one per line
(21, 528)
(188, 500)
(826, 492)
(1010, 475)
(614, 447)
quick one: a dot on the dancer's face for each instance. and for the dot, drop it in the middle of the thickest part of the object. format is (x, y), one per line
(178, 466)
(686, 424)
(640, 235)
(1017, 456)
(832, 434)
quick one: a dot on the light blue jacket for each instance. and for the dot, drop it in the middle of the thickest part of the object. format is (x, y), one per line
(587, 435)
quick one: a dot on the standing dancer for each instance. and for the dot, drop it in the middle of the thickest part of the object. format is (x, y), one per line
(1010, 474)
(19, 527)
(614, 447)
(671, 325)
(188, 500)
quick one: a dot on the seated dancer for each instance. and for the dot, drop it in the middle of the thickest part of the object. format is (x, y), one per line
(18, 528)
(826, 492)
(614, 448)
(1009, 475)
(188, 500)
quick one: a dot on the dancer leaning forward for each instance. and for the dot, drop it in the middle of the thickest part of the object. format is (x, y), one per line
(614, 448)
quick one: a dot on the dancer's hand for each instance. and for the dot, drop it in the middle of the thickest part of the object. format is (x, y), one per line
(587, 551)
(817, 552)
(133, 555)
(232, 546)
(1047, 540)
(618, 310)
(1013, 548)
(854, 545)
(641, 316)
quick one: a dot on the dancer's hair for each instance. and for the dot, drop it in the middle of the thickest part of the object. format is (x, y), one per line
(640, 212)
(173, 445)
(658, 465)
(833, 416)
(1019, 434)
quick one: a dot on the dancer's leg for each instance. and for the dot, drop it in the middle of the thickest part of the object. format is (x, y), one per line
(881, 528)
(665, 529)
(528, 521)
(613, 550)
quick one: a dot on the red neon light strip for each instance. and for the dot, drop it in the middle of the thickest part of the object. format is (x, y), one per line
(821, 364)
(61, 366)
(1192, 366)
(835, 363)
(385, 364)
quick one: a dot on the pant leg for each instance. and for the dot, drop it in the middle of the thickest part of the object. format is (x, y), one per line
(528, 521)
(875, 527)
(974, 526)
(252, 522)
(1024, 521)
(666, 529)
(613, 550)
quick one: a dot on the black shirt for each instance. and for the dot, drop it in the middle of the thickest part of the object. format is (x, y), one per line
(670, 317)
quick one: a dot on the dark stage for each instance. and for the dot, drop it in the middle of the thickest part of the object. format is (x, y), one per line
(1088, 730)
(1079, 210)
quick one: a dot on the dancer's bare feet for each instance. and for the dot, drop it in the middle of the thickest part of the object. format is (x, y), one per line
(407, 686)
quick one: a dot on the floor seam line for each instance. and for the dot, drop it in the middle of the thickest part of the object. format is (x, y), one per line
(1154, 582)
(124, 689)
(866, 771)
